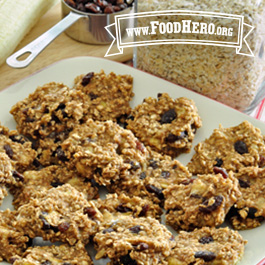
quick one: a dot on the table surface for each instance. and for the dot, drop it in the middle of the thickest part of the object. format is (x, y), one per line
(61, 48)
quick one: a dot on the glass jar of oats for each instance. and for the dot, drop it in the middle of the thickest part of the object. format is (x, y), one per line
(233, 76)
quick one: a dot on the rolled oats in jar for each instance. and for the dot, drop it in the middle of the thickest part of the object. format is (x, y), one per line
(215, 71)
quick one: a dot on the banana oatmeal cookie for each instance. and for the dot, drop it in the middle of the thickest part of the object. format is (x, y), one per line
(37, 182)
(230, 148)
(204, 200)
(62, 214)
(49, 110)
(48, 255)
(166, 125)
(12, 242)
(134, 239)
(115, 205)
(109, 95)
(249, 210)
(49, 113)
(104, 150)
(18, 149)
(159, 172)
(207, 246)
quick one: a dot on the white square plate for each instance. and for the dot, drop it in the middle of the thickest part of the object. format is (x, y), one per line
(145, 85)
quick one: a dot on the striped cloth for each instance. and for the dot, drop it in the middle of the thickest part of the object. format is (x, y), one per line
(259, 111)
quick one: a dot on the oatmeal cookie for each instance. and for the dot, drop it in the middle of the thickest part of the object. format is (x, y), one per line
(108, 95)
(51, 108)
(231, 148)
(203, 201)
(104, 150)
(207, 246)
(115, 205)
(132, 238)
(249, 210)
(62, 214)
(48, 255)
(166, 125)
(36, 183)
(159, 172)
(12, 242)
(49, 113)
(18, 149)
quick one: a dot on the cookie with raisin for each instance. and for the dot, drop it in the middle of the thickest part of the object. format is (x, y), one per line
(204, 200)
(249, 210)
(230, 148)
(208, 246)
(134, 239)
(61, 214)
(105, 151)
(165, 124)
